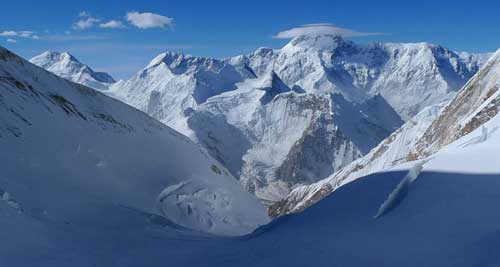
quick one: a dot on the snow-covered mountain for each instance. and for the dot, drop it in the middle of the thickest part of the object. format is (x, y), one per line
(71, 155)
(271, 137)
(282, 118)
(410, 76)
(68, 67)
(425, 134)
(173, 83)
(275, 139)
(85, 177)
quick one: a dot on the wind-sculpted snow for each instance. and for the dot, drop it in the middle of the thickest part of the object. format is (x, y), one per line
(68, 67)
(199, 204)
(71, 155)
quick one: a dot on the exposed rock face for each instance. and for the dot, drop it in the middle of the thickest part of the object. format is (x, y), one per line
(317, 154)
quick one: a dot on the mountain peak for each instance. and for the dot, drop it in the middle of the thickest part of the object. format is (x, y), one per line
(67, 66)
(272, 80)
(167, 58)
(272, 84)
(59, 56)
(318, 42)
(180, 63)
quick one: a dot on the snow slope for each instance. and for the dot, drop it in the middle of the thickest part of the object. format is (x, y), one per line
(71, 155)
(68, 67)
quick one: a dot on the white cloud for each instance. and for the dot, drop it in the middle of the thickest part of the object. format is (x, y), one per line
(11, 41)
(320, 29)
(112, 24)
(148, 20)
(23, 34)
(86, 21)
(68, 36)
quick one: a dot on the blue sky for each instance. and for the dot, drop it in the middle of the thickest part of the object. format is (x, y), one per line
(120, 37)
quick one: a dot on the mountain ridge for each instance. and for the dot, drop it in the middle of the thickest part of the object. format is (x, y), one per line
(67, 66)
(180, 90)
